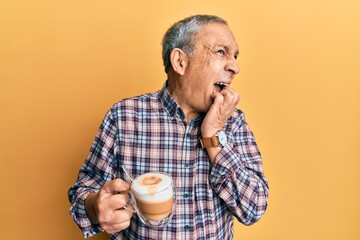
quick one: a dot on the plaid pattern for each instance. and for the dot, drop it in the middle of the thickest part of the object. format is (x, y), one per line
(149, 133)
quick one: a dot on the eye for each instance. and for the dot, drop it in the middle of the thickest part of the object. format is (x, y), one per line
(235, 56)
(220, 51)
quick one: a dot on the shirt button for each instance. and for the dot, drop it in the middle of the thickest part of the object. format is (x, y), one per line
(188, 135)
(186, 227)
(187, 165)
(186, 195)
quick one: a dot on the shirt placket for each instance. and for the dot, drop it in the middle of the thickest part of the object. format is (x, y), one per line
(188, 161)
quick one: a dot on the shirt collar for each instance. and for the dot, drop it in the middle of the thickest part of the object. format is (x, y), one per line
(169, 103)
(172, 107)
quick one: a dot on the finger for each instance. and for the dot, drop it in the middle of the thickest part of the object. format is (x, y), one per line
(215, 94)
(121, 226)
(118, 201)
(129, 208)
(121, 215)
(228, 92)
(231, 97)
(116, 227)
(218, 99)
(117, 220)
(116, 185)
(121, 185)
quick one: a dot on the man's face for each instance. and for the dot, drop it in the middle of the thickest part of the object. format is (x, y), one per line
(212, 66)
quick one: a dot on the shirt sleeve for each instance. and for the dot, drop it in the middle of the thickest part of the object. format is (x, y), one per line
(237, 175)
(99, 167)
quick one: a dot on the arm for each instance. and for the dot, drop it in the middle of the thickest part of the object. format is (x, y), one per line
(95, 188)
(236, 175)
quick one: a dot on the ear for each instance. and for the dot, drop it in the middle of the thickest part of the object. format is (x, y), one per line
(178, 60)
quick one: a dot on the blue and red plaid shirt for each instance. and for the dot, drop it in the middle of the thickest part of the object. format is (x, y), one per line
(150, 133)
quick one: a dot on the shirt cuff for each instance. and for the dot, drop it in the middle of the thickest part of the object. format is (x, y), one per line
(78, 213)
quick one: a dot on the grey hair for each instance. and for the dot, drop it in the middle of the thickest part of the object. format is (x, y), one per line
(181, 35)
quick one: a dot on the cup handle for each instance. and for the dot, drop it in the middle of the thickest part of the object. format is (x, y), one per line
(131, 204)
(127, 208)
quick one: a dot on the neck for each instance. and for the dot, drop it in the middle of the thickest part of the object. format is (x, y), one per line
(176, 90)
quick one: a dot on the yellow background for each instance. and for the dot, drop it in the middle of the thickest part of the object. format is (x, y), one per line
(64, 63)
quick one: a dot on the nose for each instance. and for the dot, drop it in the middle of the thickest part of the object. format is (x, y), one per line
(232, 66)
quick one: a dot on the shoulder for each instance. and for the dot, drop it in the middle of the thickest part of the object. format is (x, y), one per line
(135, 105)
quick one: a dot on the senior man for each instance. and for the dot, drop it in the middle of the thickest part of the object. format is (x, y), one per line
(189, 129)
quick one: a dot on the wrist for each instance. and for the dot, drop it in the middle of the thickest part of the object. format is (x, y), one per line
(219, 139)
(209, 132)
(90, 208)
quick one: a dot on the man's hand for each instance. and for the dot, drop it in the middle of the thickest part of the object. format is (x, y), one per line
(223, 106)
(106, 207)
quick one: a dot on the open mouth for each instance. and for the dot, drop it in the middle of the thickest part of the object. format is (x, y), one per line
(220, 86)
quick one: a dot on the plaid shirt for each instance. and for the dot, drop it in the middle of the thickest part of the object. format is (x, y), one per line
(150, 133)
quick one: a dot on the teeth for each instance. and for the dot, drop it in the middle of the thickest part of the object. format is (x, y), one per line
(221, 85)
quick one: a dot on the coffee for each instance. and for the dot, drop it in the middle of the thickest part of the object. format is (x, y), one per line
(154, 195)
(155, 211)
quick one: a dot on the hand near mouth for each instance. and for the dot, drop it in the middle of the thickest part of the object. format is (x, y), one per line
(224, 103)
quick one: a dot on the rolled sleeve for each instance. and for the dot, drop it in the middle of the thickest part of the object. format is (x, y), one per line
(78, 213)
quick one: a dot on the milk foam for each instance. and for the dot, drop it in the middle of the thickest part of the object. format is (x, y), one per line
(157, 192)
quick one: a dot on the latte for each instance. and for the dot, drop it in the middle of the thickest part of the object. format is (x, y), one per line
(154, 195)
